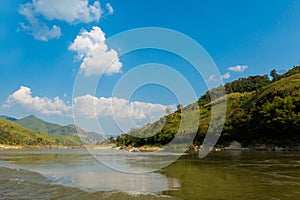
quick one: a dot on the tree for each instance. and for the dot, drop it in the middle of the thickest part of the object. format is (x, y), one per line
(274, 74)
(112, 139)
(179, 107)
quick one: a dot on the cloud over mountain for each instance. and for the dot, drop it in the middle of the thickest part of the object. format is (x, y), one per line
(86, 106)
(43, 105)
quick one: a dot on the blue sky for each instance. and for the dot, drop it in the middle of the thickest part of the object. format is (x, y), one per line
(242, 37)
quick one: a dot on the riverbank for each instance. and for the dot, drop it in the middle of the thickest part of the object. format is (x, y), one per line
(93, 147)
(140, 149)
(18, 147)
(237, 147)
(8, 147)
(101, 147)
(191, 149)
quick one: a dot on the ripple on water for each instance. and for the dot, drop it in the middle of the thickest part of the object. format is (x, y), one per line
(19, 183)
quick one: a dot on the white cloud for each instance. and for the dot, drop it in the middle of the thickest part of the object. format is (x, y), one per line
(39, 30)
(110, 9)
(212, 78)
(226, 75)
(90, 107)
(94, 53)
(43, 105)
(238, 68)
(87, 106)
(71, 11)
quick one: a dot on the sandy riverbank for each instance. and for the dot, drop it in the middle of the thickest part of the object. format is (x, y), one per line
(17, 147)
(8, 147)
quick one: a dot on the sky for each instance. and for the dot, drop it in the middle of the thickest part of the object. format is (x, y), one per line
(59, 63)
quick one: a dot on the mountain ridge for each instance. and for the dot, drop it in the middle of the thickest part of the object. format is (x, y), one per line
(69, 135)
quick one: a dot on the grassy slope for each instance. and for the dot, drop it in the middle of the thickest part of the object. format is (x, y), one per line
(191, 114)
(63, 135)
(37, 124)
(14, 134)
(289, 86)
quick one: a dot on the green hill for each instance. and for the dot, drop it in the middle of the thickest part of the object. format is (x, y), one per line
(14, 134)
(272, 116)
(34, 123)
(70, 135)
(259, 112)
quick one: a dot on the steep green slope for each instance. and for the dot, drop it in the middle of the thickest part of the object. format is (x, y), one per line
(14, 134)
(163, 131)
(272, 117)
(259, 112)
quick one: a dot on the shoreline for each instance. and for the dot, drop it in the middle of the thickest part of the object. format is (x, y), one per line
(27, 147)
(19, 147)
(192, 149)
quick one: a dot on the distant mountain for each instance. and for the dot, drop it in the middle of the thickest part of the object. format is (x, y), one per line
(64, 135)
(8, 118)
(12, 133)
(37, 124)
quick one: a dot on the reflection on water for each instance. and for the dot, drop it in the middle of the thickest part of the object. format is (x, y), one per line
(237, 175)
(78, 168)
(224, 175)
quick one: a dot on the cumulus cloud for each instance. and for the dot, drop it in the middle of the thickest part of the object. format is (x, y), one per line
(37, 12)
(110, 9)
(86, 106)
(93, 52)
(43, 105)
(38, 29)
(226, 75)
(115, 107)
(71, 11)
(238, 68)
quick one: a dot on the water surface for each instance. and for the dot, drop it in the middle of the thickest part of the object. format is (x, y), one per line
(76, 174)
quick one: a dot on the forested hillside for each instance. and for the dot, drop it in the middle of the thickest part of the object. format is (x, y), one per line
(259, 112)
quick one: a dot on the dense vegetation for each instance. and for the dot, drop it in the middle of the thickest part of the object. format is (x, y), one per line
(259, 112)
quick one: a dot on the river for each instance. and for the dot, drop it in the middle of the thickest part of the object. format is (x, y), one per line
(112, 174)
